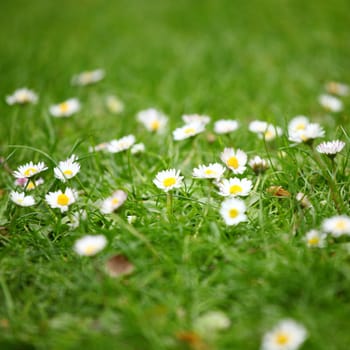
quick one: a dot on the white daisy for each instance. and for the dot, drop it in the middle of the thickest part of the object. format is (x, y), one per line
(188, 130)
(337, 88)
(298, 123)
(67, 169)
(65, 109)
(21, 199)
(235, 160)
(137, 148)
(258, 126)
(28, 170)
(271, 132)
(22, 96)
(196, 118)
(316, 239)
(120, 145)
(311, 132)
(166, 180)
(152, 119)
(287, 335)
(235, 187)
(211, 322)
(337, 225)
(90, 245)
(100, 147)
(233, 211)
(112, 203)
(61, 200)
(330, 103)
(88, 77)
(331, 148)
(114, 104)
(258, 164)
(225, 126)
(211, 171)
(28, 184)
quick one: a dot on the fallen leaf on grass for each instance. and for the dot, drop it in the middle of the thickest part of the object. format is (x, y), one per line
(119, 265)
(278, 191)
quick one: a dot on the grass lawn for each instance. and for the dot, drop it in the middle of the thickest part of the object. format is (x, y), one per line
(241, 60)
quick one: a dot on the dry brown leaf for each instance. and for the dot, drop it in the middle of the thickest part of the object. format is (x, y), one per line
(119, 265)
(278, 191)
(192, 339)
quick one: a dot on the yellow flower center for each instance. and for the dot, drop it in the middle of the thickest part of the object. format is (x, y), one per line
(209, 172)
(233, 162)
(115, 201)
(233, 213)
(234, 189)
(300, 126)
(169, 181)
(30, 171)
(268, 134)
(155, 125)
(64, 107)
(68, 172)
(189, 131)
(62, 199)
(30, 185)
(314, 240)
(89, 249)
(282, 339)
(340, 225)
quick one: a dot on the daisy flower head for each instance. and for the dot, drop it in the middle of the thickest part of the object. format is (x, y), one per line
(152, 119)
(114, 104)
(100, 147)
(65, 109)
(21, 199)
(315, 239)
(287, 335)
(88, 77)
(336, 88)
(90, 245)
(67, 169)
(28, 184)
(307, 135)
(235, 187)
(235, 160)
(196, 118)
(258, 126)
(188, 130)
(330, 148)
(166, 180)
(337, 225)
(22, 96)
(298, 123)
(122, 144)
(137, 148)
(112, 203)
(258, 165)
(61, 200)
(330, 103)
(211, 171)
(30, 169)
(225, 126)
(233, 211)
(271, 132)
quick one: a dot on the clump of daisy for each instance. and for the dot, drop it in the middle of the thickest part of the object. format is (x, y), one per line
(330, 103)
(337, 225)
(258, 165)
(235, 187)
(67, 169)
(90, 245)
(88, 77)
(21, 199)
(30, 169)
(188, 130)
(22, 96)
(225, 126)
(235, 160)
(330, 148)
(65, 109)
(137, 148)
(122, 144)
(114, 104)
(28, 184)
(301, 130)
(211, 171)
(167, 180)
(286, 335)
(61, 200)
(196, 118)
(315, 239)
(112, 203)
(152, 119)
(336, 88)
(233, 211)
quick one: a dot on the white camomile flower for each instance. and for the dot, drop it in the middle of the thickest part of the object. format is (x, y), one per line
(112, 203)
(258, 126)
(315, 239)
(211, 171)
(90, 245)
(22, 96)
(152, 119)
(330, 148)
(235, 187)
(271, 132)
(196, 118)
(330, 103)
(30, 169)
(61, 200)
(235, 160)
(225, 126)
(21, 199)
(67, 169)
(298, 123)
(122, 144)
(258, 165)
(287, 335)
(88, 77)
(137, 148)
(311, 132)
(100, 147)
(188, 131)
(233, 211)
(114, 104)
(337, 225)
(167, 180)
(65, 109)
(336, 88)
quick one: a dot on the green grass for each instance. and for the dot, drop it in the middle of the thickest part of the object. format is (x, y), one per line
(228, 59)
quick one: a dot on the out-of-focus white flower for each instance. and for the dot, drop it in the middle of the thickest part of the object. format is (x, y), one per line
(225, 126)
(316, 239)
(28, 184)
(311, 132)
(196, 118)
(21, 199)
(258, 126)
(336, 88)
(265, 130)
(298, 123)
(100, 147)
(233, 211)
(114, 104)
(90, 245)
(258, 165)
(137, 148)
(30, 169)
(304, 200)
(235, 160)
(211, 322)
(120, 145)
(337, 225)
(331, 103)
(188, 130)
(61, 200)
(112, 203)
(211, 171)
(330, 148)
(67, 169)
(235, 187)
(166, 180)
(88, 77)
(152, 119)
(22, 96)
(65, 109)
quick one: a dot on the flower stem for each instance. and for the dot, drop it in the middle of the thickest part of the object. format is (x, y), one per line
(169, 204)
